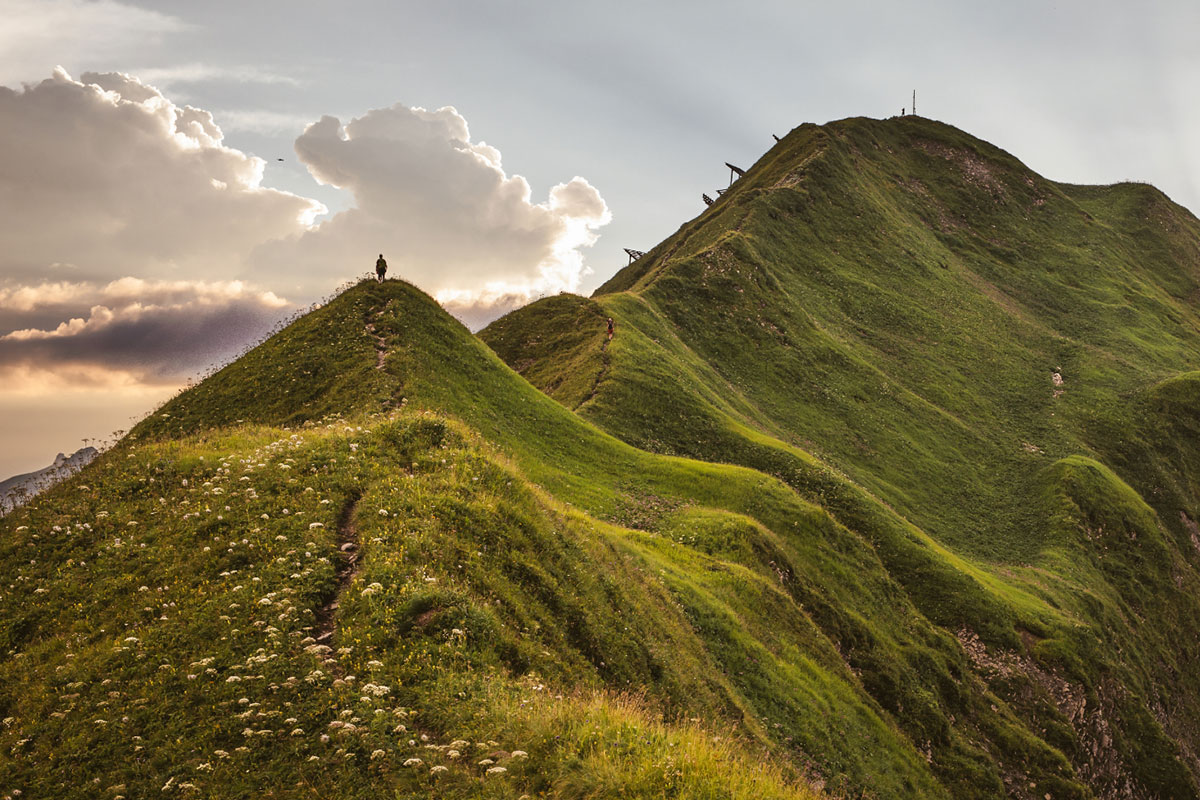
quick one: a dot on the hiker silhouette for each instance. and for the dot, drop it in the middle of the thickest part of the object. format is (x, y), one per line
(380, 268)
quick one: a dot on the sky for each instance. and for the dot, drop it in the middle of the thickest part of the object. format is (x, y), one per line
(177, 178)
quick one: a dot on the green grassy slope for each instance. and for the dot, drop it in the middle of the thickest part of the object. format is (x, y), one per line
(169, 632)
(632, 622)
(856, 607)
(875, 315)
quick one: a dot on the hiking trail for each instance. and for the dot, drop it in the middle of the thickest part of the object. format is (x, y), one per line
(346, 567)
(380, 343)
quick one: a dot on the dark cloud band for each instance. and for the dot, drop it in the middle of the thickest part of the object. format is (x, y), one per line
(159, 343)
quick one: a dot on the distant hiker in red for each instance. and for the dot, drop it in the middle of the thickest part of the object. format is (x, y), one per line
(380, 268)
(611, 327)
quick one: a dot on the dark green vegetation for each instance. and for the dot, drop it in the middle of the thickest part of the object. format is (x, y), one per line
(817, 521)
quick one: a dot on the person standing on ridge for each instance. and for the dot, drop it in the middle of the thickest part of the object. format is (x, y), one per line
(611, 327)
(380, 268)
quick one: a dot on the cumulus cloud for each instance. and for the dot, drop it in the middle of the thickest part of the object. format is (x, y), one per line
(109, 175)
(105, 176)
(128, 331)
(441, 208)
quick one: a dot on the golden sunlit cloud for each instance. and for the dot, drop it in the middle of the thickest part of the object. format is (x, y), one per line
(442, 210)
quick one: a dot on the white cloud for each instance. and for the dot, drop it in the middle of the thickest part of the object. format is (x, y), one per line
(441, 208)
(75, 31)
(106, 176)
(109, 175)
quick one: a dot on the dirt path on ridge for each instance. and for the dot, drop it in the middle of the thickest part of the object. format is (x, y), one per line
(325, 624)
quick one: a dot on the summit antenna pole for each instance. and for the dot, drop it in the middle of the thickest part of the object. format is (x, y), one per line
(914, 105)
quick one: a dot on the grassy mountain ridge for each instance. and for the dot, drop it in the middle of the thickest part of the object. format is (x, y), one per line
(475, 614)
(982, 351)
(814, 523)
(595, 472)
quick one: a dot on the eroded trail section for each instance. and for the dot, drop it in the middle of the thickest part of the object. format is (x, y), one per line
(347, 568)
(380, 345)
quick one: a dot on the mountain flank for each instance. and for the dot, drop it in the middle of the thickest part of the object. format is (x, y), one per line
(977, 349)
(883, 488)
(19, 488)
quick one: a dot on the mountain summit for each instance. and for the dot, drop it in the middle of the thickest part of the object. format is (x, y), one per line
(883, 486)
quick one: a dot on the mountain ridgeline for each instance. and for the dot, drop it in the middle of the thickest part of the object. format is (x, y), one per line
(886, 486)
